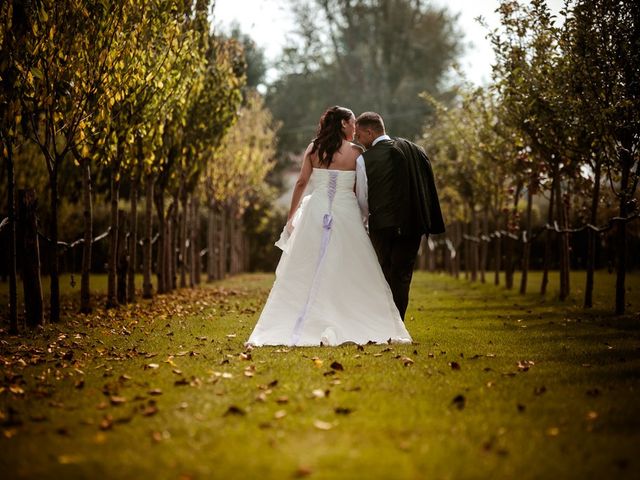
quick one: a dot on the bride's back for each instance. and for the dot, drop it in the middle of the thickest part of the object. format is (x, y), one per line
(343, 159)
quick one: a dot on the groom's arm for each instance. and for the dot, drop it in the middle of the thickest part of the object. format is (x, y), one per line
(362, 191)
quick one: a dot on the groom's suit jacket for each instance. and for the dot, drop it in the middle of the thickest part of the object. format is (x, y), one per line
(401, 191)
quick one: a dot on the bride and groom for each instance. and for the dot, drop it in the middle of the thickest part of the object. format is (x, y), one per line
(350, 246)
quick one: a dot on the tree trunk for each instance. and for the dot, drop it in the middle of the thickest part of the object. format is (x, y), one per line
(548, 236)
(222, 244)
(563, 240)
(231, 222)
(174, 250)
(211, 244)
(511, 227)
(11, 203)
(497, 254)
(28, 232)
(592, 236)
(87, 246)
(114, 189)
(457, 244)
(122, 258)
(55, 279)
(484, 245)
(621, 240)
(475, 245)
(526, 250)
(162, 241)
(184, 221)
(147, 254)
(465, 230)
(133, 240)
(195, 235)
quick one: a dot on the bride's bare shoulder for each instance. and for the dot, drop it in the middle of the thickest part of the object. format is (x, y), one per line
(356, 149)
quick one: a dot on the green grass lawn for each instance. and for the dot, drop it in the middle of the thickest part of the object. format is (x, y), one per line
(496, 385)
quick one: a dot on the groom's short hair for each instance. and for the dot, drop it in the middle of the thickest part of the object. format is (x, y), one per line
(371, 120)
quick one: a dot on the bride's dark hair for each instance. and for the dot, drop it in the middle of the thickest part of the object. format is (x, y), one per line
(329, 136)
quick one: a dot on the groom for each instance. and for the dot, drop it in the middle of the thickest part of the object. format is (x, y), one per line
(397, 193)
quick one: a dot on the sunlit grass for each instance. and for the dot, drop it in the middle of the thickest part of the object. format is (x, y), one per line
(569, 409)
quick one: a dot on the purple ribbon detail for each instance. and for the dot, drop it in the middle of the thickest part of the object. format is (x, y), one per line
(327, 222)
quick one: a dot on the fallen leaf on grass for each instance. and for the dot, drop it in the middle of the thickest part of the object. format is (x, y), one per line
(319, 393)
(157, 437)
(406, 361)
(342, 410)
(16, 390)
(106, 423)
(151, 366)
(317, 362)
(261, 397)
(116, 400)
(234, 410)
(150, 410)
(337, 366)
(525, 365)
(320, 425)
(454, 365)
(155, 391)
(459, 401)
(279, 414)
(282, 400)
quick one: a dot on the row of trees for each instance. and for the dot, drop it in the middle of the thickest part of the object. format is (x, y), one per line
(141, 94)
(559, 126)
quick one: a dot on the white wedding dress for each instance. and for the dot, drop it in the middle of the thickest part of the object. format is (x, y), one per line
(329, 286)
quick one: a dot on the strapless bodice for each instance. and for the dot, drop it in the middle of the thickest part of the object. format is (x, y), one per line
(337, 180)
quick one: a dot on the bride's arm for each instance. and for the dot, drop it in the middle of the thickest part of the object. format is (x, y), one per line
(301, 183)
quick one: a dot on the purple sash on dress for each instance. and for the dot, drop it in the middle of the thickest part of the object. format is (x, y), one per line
(327, 222)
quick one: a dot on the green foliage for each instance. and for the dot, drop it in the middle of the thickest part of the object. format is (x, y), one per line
(366, 55)
(237, 169)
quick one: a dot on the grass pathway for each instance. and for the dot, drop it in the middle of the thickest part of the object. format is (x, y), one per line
(495, 385)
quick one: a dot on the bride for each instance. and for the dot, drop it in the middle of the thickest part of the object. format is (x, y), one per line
(329, 286)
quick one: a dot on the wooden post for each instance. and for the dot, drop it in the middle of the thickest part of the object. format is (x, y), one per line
(30, 253)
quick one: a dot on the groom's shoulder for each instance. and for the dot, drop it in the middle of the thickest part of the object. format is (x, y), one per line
(407, 145)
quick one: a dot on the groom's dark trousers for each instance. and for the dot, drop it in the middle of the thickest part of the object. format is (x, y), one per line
(397, 256)
(403, 205)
